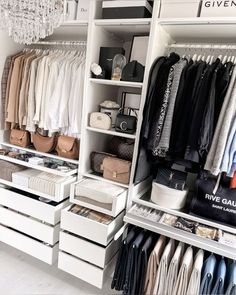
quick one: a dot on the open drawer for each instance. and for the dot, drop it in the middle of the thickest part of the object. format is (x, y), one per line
(88, 251)
(31, 205)
(85, 271)
(29, 245)
(88, 228)
(112, 208)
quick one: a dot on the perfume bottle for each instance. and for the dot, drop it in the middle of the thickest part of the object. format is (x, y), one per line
(119, 62)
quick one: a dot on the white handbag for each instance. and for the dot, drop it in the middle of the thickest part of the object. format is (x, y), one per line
(167, 197)
(100, 121)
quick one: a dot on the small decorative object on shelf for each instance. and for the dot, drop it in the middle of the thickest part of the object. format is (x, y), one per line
(111, 109)
(118, 64)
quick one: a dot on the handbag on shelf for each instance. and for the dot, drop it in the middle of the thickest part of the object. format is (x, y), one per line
(44, 143)
(96, 159)
(133, 72)
(100, 121)
(122, 147)
(214, 201)
(172, 178)
(116, 169)
(126, 123)
(68, 147)
(20, 138)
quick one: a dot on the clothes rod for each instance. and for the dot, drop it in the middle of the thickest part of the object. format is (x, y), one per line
(203, 46)
(66, 43)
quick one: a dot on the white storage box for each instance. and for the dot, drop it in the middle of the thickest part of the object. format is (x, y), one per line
(100, 196)
(215, 8)
(126, 9)
(22, 177)
(179, 8)
(83, 10)
(167, 197)
(90, 229)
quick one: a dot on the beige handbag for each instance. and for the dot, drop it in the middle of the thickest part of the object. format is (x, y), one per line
(117, 170)
(100, 121)
(20, 138)
(68, 147)
(45, 144)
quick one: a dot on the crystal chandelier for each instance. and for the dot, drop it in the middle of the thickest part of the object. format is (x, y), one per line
(27, 21)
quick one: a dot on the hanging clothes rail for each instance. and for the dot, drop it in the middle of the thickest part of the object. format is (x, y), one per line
(203, 46)
(64, 43)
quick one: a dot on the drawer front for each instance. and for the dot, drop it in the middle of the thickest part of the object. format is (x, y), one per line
(89, 229)
(82, 270)
(28, 245)
(88, 251)
(32, 207)
(37, 229)
(112, 209)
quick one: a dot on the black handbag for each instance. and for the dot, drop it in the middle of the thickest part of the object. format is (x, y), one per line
(214, 203)
(133, 72)
(126, 123)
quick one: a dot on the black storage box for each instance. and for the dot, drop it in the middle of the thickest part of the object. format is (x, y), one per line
(126, 9)
(107, 55)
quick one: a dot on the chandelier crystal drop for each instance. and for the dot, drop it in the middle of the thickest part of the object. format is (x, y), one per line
(27, 21)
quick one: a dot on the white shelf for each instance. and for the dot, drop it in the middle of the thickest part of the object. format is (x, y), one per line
(28, 190)
(91, 175)
(125, 28)
(149, 204)
(117, 83)
(48, 155)
(78, 23)
(38, 167)
(197, 20)
(111, 132)
(180, 235)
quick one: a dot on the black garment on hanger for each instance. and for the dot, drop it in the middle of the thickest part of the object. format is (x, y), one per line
(183, 107)
(140, 274)
(207, 127)
(132, 262)
(121, 264)
(191, 152)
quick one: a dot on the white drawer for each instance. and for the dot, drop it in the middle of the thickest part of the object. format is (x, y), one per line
(29, 245)
(112, 209)
(32, 227)
(88, 251)
(90, 229)
(83, 270)
(32, 206)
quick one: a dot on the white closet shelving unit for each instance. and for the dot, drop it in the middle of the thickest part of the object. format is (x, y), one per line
(87, 248)
(27, 222)
(106, 33)
(164, 32)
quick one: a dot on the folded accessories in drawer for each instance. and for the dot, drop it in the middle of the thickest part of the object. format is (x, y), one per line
(8, 168)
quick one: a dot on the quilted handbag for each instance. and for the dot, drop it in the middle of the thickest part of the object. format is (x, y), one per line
(68, 147)
(96, 159)
(122, 147)
(20, 138)
(100, 121)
